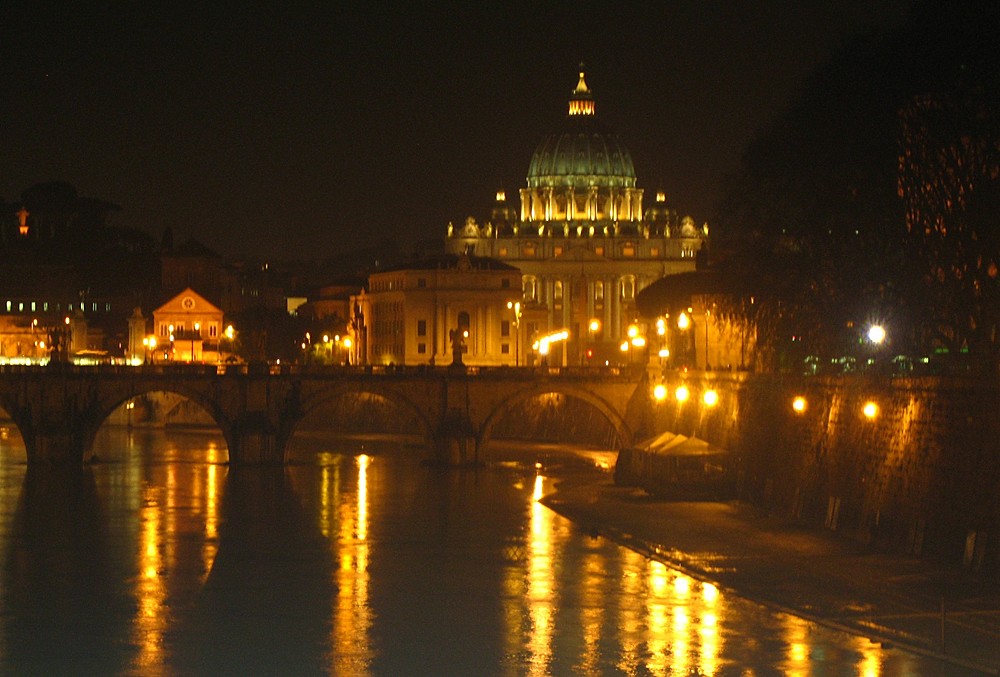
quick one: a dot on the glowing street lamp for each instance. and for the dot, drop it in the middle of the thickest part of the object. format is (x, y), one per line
(799, 404)
(870, 410)
(682, 393)
(659, 392)
(876, 334)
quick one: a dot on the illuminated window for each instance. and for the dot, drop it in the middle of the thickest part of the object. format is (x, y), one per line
(599, 251)
(557, 251)
(503, 251)
(529, 251)
(530, 288)
(628, 250)
(628, 288)
(557, 294)
(654, 251)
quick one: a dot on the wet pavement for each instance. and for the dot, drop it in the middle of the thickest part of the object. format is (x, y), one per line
(898, 600)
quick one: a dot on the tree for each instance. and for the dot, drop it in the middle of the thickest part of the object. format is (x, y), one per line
(821, 214)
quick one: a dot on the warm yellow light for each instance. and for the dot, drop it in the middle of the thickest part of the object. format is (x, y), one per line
(661, 326)
(682, 393)
(230, 332)
(710, 398)
(876, 333)
(799, 404)
(465, 333)
(326, 338)
(595, 325)
(870, 410)
(348, 342)
(639, 341)
(543, 347)
(683, 321)
(633, 331)
(624, 347)
(660, 392)
(664, 352)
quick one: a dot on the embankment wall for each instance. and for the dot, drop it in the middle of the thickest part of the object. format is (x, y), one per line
(922, 476)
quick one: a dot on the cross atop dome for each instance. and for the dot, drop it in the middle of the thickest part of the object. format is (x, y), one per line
(581, 101)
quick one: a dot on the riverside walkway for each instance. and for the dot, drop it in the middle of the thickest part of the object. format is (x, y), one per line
(951, 614)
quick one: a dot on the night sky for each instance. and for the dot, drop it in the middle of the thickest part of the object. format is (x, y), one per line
(304, 131)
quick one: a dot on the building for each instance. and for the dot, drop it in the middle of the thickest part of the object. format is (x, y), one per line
(419, 313)
(581, 240)
(187, 328)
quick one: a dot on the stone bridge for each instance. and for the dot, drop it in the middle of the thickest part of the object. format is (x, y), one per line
(58, 409)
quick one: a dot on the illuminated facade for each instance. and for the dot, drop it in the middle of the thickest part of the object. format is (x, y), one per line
(186, 328)
(408, 314)
(581, 239)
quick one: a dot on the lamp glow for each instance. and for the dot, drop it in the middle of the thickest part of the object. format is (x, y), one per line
(799, 404)
(870, 410)
(682, 393)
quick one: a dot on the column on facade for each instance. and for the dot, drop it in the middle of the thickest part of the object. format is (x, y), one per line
(616, 314)
(525, 205)
(570, 204)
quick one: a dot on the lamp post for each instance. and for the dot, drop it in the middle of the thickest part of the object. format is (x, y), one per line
(195, 333)
(516, 307)
(593, 327)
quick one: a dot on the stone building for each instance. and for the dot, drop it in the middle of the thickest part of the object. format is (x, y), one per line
(410, 314)
(581, 239)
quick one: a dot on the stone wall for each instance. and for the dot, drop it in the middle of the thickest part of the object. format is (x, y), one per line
(922, 476)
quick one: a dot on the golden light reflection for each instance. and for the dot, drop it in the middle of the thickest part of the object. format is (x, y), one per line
(797, 632)
(150, 622)
(540, 583)
(352, 614)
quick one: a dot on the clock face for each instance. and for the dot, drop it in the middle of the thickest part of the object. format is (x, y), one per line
(187, 303)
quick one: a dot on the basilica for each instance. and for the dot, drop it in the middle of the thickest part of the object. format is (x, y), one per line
(582, 241)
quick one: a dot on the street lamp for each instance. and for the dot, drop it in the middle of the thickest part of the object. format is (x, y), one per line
(515, 306)
(196, 332)
(876, 334)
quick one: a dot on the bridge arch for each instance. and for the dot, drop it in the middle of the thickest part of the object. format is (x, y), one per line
(315, 401)
(115, 398)
(510, 403)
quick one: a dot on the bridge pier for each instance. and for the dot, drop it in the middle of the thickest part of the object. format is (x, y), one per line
(455, 440)
(254, 440)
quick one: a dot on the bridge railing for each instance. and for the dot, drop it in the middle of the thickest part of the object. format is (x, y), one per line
(331, 371)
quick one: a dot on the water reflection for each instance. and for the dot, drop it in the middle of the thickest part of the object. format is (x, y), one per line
(61, 596)
(160, 559)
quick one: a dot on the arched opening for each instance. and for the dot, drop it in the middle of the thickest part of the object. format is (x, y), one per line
(553, 422)
(13, 456)
(356, 422)
(159, 427)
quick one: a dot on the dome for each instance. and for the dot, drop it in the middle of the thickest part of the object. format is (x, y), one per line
(584, 152)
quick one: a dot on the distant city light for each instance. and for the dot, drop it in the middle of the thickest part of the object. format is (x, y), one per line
(683, 321)
(710, 398)
(660, 392)
(682, 393)
(799, 405)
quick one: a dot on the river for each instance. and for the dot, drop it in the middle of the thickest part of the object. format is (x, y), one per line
(160, 559)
